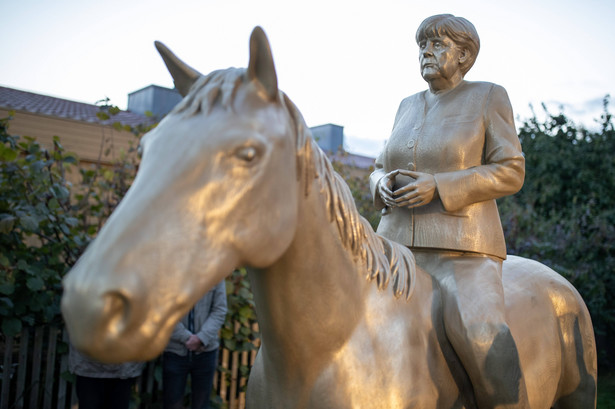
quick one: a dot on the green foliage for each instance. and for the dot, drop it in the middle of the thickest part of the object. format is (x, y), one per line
(606, 391)
(565, 214)
(46, 221)
(39, 231)
(237, 333)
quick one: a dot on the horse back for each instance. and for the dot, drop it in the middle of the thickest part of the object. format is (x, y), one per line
(553, 331)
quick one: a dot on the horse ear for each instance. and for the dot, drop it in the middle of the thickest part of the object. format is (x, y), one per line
(183, 75)
(261, 67)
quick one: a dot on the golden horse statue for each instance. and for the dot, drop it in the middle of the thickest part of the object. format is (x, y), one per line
(232, 177)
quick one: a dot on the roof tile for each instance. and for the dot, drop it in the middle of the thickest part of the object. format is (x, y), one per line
(13, 99)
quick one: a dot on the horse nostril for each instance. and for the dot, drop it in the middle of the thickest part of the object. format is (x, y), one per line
(117, 309)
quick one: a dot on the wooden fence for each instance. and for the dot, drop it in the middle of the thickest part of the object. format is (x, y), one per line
(35, 375)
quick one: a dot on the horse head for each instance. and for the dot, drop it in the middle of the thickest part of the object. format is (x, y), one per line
(191, 216)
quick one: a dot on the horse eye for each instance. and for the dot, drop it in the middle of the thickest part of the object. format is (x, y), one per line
(247, 154)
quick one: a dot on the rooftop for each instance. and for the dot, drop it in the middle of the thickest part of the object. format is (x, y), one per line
(13, 99)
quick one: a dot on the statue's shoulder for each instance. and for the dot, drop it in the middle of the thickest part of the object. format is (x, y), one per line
(479, 86)
(413, 99)
(483, 87)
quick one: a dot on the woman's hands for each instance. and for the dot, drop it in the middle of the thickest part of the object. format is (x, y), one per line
(385, 187)
(419, 191)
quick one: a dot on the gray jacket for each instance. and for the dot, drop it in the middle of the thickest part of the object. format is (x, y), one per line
(209, 316)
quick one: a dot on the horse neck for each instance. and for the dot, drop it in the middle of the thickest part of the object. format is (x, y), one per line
(309, 302)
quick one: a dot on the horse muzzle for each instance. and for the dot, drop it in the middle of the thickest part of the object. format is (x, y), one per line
(104, 324)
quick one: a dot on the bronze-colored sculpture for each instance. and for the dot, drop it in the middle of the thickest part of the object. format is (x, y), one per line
(232, 178)
(454, 150)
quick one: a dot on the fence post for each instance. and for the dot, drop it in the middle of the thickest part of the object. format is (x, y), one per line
(50, 367)
(22, 368)
(62, 383)
(37, 356)
(7, 369)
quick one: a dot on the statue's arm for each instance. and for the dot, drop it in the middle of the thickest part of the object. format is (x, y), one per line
(374, 180)
(503, 168)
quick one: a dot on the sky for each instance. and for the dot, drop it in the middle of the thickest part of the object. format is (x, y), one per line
(344, 62)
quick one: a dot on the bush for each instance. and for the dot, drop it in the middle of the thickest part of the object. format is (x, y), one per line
(39, 231)
(46, 222)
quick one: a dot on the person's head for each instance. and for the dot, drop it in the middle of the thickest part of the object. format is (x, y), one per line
(458, 29)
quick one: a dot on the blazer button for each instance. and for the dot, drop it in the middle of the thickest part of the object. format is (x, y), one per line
(411, 143)
(411, 166)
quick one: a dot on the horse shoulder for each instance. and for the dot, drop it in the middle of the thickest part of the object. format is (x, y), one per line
(396, 344)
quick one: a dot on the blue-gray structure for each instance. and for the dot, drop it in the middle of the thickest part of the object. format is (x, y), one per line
(160, 101)
(330, 137)
(155, 99)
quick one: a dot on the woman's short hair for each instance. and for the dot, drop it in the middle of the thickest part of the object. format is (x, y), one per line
(458, 29)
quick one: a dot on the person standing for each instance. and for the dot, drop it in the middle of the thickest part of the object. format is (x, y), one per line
(100, 385)
(193, 350)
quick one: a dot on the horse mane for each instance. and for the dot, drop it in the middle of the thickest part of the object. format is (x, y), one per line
(217, 88)
(385, 261)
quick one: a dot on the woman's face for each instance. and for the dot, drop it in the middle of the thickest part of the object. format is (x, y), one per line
(439, 58)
